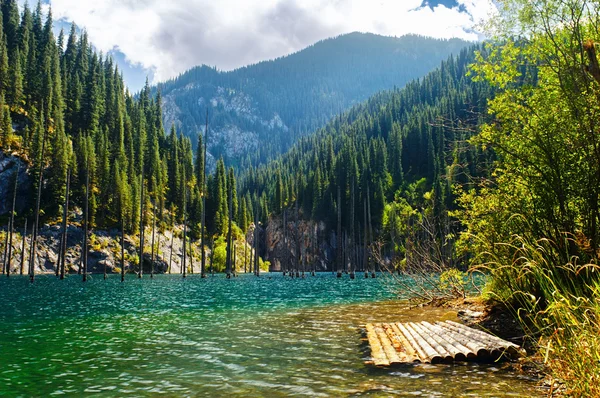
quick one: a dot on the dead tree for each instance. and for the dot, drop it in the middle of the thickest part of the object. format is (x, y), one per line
(229, 234)
(37, 209)
(203, 263)
(63, 241)
(339, 232)
(11, 223)
(297, 231)
(256, 234)
(23, 248)
(285, 265)
(122, 243)
(86, 221)
(141, 270)
(153, 233)
(183, 267)
(171, 253)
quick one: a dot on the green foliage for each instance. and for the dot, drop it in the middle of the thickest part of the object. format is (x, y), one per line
(534, 226)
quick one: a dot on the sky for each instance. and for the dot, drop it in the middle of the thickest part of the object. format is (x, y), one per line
(163, 38)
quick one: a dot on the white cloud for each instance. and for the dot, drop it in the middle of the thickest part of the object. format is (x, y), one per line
(170, 36)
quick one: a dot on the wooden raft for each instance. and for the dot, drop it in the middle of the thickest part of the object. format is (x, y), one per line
(395, 343)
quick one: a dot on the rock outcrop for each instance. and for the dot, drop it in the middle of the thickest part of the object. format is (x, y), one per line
(317, 245)
(9, 165)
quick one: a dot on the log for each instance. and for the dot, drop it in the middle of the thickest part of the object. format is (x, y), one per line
(459, 351)
(434, 343)
(377, 354)
(495, 341)
(393, 337)
(411, 354)
(430, 355)
(387, 345)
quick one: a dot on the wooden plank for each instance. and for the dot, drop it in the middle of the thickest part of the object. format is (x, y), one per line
(452, 345)
(440, 349)
(396, 342)
(387, 345)
(411, 354)
(430, 352)
(377, 353)
(411, 340)
(511, 348)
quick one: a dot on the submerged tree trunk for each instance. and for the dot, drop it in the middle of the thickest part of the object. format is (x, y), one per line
(365, 242)
(141, 271)
(12, 222)
(171, 253)
(285, 265)
(183, 267)
(152, 251)
(122, 247)
(370, 230)
(203, 263)
(352, 237)
(86, 220)
(229, 232)
(63, 242)
(339, 258)
(23, 248)
(37, 211)
(256, 233)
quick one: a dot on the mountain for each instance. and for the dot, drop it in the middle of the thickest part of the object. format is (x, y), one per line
(399, 155)
(259, 111)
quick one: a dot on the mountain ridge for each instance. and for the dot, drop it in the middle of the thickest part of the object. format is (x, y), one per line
(258, 111)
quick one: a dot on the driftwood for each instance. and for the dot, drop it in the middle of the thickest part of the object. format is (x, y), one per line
(395, 343)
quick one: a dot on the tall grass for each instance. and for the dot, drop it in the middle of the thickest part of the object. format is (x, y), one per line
(558, 306)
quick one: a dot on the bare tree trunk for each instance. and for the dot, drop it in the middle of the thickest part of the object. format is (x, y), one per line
(191, 257)
(352, 237)
(12, 221)
(297, 259)
(256, 234)
(63, 242)
(37, 211)
(122, 244)
(141, 271)
(203, 264)
(5, 254)
(23, 248)
(212, 256)
(183, 267)
(339, 233)
(365, 242)
(153, 233)
(285, 265)
(371, 239)
(245, 255)
(171, 253)
(229, 232)
(234, 259)
(86, 221)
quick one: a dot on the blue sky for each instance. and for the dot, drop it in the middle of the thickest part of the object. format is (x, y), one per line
(163, 38)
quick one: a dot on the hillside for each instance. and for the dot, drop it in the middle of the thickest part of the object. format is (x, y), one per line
(259, 111)
(399, 154)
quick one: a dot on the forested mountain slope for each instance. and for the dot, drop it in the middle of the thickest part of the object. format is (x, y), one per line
(257, 112)
(399, 153)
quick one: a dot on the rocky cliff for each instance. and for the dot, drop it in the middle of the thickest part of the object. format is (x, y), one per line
(9, 166)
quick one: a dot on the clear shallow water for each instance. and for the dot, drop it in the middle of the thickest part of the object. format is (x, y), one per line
(246, 336)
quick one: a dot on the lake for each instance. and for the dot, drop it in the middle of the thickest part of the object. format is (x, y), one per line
(253, 337)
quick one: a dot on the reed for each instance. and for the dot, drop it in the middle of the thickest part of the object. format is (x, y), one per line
(558, 306)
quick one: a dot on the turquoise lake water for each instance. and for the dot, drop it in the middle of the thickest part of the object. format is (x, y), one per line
(249, 337)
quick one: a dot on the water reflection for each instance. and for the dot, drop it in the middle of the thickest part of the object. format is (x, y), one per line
(213, 337)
